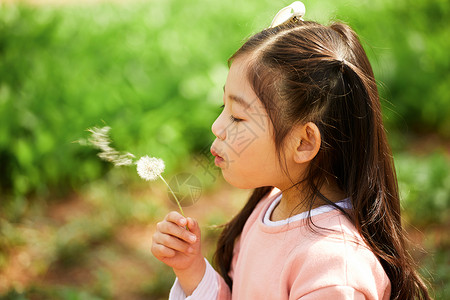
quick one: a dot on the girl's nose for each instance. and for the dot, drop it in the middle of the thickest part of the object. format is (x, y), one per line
(218, 129)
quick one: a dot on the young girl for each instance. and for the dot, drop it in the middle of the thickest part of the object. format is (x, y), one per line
(301, 124)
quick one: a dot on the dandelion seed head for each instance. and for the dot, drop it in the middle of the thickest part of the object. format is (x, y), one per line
(150, 168)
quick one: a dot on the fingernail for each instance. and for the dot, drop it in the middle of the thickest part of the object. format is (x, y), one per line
(192, 238)
(190, 250)
(183, 222)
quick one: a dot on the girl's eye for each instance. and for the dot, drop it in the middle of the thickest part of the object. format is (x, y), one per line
(233, 119)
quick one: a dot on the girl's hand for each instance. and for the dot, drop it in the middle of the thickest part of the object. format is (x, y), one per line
(180, 248)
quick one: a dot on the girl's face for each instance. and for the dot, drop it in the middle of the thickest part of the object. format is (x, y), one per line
(244, 148)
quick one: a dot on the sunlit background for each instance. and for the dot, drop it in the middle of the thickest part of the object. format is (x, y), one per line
(75, 227)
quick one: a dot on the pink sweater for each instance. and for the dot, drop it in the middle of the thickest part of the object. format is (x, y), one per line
(293, 262)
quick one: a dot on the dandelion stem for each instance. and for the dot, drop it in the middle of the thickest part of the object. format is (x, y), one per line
(176, 199)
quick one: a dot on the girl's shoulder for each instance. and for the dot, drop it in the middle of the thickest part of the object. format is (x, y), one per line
(334, 238)
(325, 251)
(333, 253)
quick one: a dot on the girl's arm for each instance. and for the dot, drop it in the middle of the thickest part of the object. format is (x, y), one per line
(212, 287)
(180, 249)
(207, 289)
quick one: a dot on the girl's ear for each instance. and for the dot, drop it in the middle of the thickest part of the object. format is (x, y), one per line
(308, 142)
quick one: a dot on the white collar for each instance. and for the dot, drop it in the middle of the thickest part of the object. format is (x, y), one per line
(345, 204)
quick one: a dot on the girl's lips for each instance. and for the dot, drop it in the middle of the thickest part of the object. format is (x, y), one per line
(213, 151)
(219, 159)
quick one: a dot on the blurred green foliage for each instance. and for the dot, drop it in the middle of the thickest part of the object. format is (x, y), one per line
(424, 183)
(55, 293)
(134, 68)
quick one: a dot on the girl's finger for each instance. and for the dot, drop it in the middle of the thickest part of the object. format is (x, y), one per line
(176, 231)
(193, 227)
(176, 218)
(161, 251)
(173, 243)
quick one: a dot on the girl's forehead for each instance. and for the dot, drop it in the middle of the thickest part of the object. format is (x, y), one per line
(237, 80)
(238, 69)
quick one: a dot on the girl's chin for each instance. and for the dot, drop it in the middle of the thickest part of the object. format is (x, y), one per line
(237, 181)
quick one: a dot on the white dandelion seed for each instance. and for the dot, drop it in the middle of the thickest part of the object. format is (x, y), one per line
(100, 140)
(150, 168)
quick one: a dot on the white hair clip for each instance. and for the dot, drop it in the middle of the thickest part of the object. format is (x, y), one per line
(295, 11)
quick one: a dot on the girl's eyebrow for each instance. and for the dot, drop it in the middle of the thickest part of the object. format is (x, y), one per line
(238, 99)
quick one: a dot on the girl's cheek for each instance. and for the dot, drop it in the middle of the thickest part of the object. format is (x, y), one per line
(240, 139)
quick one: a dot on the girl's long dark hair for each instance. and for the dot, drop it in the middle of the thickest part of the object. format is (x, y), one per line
(305, 72)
